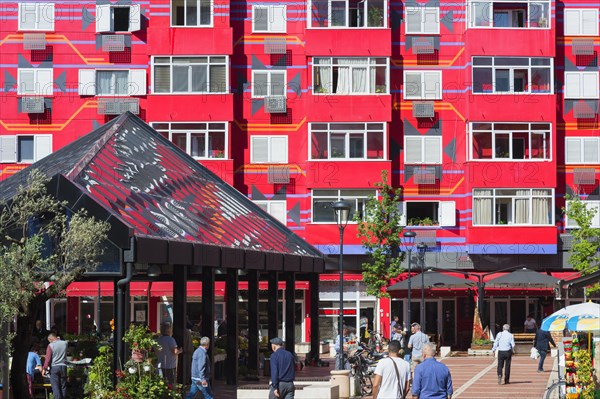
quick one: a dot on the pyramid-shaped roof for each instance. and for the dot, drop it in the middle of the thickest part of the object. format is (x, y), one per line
(159, 193)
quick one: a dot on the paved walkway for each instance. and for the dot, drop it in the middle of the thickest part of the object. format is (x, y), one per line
(474, 377)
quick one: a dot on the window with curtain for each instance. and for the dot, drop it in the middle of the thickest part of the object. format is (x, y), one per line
(526, 14)
(512, 207)
(422, 150)
(582, 150)
(347, 14)
(345, 76)
(112, 83)
(268, 149)
(197, 139)
(191, 13)
(510, 141)
(268, 83)
(422, 20)
(341, 141)
(322, 211)
(180, 75)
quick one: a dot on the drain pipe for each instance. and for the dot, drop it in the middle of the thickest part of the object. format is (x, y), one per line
(119, 345)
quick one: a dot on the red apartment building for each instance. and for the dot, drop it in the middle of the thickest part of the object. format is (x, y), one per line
(484, 112)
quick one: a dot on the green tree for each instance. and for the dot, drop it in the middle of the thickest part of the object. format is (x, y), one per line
(40, 241)
(380, 233)
(586, 239)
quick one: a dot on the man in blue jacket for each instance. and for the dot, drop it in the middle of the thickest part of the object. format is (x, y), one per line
(432, 379)
(201, 371)
(283, 369)
(542, 342)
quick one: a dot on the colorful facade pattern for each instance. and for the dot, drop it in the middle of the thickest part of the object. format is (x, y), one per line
(484, 112)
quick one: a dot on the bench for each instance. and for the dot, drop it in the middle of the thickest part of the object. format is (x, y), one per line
(312, 389)
(46, 388)
(523, 342)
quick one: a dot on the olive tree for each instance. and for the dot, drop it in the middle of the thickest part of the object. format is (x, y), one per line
(43, 248)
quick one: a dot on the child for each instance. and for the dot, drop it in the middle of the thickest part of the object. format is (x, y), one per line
(33, 363)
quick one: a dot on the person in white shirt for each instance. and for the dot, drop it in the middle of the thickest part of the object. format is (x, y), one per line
(392, 375)
(530, 326)
(505, 344)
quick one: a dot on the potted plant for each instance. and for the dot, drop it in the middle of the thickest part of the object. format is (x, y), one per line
(140, 339)
(481, 344)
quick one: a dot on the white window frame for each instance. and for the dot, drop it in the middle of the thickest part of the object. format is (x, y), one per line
(512, 69)
(273, 11)
(585, 80)
(540, 23)
(200, 128)
(42, 85)
(423, 13)
(136, 82)
(582, 143)
(494, 131)
(365, 12)
(366, 64)
(423, 158)
(356, 197)
(513, 199)
(198, 15)
(268, 206)
(269, 74)
(272, 156)
(335, 128)
(105, 17)
(581, 14)
(210, 62)
(40, 10)
(446, 214)
(426, 93)
(595, 222)
(9, 148)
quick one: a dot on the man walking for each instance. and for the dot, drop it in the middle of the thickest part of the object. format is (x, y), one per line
(504, 343)
(542, 342)
(416, 342)
(283, 366)
(201, 371)
(391, 376)
(432, 378)
(56, 355)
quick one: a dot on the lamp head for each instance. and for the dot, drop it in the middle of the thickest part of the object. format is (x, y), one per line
(409, 237)
(342, 212)
(153, 270)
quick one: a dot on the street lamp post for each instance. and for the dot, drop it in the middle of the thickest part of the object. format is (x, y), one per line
(409, 240)
(342, 213)
(422, 247)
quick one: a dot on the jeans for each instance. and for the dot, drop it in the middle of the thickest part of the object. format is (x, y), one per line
(58, 380)
(197, 387)
(542, 358)
(504, 359)
(286, 391)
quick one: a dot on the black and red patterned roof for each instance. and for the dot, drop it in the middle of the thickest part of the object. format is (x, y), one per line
(159, 192)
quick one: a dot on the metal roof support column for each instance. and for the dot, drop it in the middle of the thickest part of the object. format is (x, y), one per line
(120, 323)
(253, 322)
(231, 293)
(315, 341)
(273, 305)
(179, 316)
(290, 304)
(208, 308)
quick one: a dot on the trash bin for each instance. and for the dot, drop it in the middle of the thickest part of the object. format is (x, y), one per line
(341, 379)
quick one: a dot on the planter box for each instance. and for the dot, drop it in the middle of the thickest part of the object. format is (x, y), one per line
(481, 347)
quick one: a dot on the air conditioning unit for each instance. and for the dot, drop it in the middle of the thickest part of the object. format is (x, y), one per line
(34, 41)
(423, 109)
(278, 174)
(582, 46)
(117, 106)
(275, 45)
(275, 105)
(585, 110)
(32, 105)
(423, 45)
(584, 176)
(424, 175)
(113, 42)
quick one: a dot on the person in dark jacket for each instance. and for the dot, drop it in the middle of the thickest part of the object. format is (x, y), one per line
(283, 371)
(542, 342)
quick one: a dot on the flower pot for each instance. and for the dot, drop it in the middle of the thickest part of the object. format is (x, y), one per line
(137, 356)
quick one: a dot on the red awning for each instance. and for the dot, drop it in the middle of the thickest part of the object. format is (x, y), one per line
(163, 288)
(336, 277)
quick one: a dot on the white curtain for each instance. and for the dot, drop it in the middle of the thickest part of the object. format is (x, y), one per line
(541, 207)
(351, 78)
(482, 208)
(522, 207)
(323, 74)
(372, 76)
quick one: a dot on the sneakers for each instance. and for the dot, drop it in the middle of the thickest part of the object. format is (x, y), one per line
(540, 371)
(499, 379)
